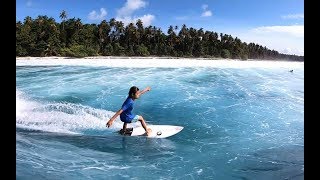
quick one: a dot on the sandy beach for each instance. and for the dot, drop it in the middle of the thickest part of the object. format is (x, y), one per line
(143, 62)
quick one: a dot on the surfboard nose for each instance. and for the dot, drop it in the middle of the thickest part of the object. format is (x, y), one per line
(178, 128)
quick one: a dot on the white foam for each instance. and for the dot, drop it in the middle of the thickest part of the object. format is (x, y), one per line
(23, 105)
(60, 117)
(154, 62)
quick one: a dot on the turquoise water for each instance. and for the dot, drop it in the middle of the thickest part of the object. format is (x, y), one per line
(239, 123)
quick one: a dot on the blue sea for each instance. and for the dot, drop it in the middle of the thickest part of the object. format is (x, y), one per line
(239, 123)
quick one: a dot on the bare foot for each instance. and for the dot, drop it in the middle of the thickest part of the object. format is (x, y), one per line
(149, 132)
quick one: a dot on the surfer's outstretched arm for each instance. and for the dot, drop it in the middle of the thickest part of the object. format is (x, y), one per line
(144, 91)
(109, 123)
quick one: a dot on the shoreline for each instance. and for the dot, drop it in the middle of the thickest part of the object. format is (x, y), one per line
(144, 62)
(150, 57)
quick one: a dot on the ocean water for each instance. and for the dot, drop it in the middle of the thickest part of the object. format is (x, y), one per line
(239, 123)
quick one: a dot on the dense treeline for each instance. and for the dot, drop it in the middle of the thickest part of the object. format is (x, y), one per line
(43, 36)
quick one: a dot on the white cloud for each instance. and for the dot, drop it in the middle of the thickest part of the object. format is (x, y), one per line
(130, 7)
(293, 16)
(125, 14)
(93, 15)
(294, 30)
(146, 19)
(206, 14)
(283, 39)
(292, 51)
(29, 3)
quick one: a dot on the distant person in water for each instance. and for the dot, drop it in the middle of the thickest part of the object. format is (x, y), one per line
(291, 70)
(125, 112)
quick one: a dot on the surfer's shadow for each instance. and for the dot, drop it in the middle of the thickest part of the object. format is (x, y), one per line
(147, 143)
(137, 149)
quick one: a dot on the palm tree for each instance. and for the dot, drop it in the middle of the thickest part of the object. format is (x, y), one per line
(129, 34)
(28, 20)
(176, 28)
(119, 29)
(78, 23)
(112, 23)
(140, 31)
(63, 16)
(170, 34)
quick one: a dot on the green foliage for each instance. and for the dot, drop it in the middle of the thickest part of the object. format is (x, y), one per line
(198, 50)
(73, 51)
(130, 51)
(142, 50)
(225, 53)
(40, 48)
(174, 53)
(78, 51)
(244, 56)
(162, 50)
(20, 51)
(108, 50)
(45, 37)
(180, 54)
(118, 50)
(91, 51)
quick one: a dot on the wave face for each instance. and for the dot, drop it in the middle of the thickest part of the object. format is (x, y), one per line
(243, 123)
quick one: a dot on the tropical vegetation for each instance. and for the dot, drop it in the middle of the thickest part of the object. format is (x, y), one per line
(44, 36)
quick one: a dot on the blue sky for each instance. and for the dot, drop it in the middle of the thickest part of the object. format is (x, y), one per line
(276, 24)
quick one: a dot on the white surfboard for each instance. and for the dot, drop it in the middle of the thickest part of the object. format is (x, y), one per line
(158, 131)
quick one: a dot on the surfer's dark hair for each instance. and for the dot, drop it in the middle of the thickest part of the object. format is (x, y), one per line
(133, 91)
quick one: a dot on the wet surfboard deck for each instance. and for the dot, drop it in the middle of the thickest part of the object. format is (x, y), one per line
(158, 131)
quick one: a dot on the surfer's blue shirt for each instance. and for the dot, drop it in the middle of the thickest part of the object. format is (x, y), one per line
(127, 107)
